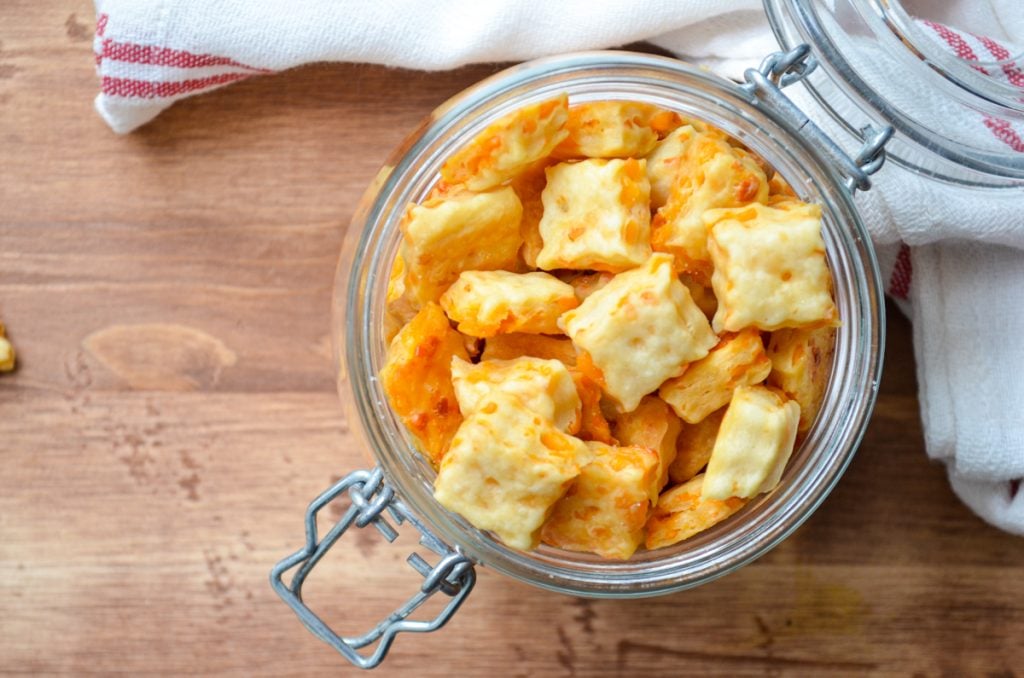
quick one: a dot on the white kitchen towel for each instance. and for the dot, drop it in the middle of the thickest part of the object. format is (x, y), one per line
(963, 249)
(151, 53)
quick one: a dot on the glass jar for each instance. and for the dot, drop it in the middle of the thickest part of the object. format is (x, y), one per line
(360, 347)
(878, 66)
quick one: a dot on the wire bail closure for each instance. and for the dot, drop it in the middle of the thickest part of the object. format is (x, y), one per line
(370, 496)
(782, 69)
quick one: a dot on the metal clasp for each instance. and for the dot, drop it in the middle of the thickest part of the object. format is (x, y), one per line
(781, 69)
(371, 496)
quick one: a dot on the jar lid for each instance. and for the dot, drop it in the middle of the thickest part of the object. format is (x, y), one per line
(954, 96)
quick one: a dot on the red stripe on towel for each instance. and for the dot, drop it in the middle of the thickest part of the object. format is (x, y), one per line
(165, 56)
(101, 27)
(902, 272)
(1005, 133)
(957, 42)
(1013, 72)
(145, 89)
(1000, 129)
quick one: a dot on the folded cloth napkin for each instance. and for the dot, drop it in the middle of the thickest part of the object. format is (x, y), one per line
(962, 249)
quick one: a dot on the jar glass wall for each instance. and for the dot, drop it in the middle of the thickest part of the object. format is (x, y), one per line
(373, 239)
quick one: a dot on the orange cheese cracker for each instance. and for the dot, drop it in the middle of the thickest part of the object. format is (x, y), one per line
(509, 146)
(707, 384)
(508, 346)
(605, 509)
(683, 512)
(654, 426)
(463, 232)
(711, 174)
(694, 446)
(614, 129)
(417, 379)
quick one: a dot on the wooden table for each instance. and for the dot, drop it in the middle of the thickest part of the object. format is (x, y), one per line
(174, 411)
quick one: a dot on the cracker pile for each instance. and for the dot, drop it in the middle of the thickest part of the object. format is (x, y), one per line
(610, 325)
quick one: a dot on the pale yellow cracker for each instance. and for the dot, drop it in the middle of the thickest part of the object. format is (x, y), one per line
(506, 468)
(486, 303)
(664, 161)
(655, 426)
(753, 445)
(801, 365)
(542, 386)
(596, 216)
(639, 330)
(611, 129)
(770, 269)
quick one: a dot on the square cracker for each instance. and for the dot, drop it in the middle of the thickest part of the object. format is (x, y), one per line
(596, 216)
(542, 386)
(417, 379)
(753, 445)
(605, 509)
(683, 512)
(639, 330)
(711, 174)
(770, 269)
(707, 384)
(486, 303)
(459, 232)
(506, 468)
(509, 146)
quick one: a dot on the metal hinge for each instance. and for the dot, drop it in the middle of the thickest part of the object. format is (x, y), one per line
(781, 69)
(370, 497)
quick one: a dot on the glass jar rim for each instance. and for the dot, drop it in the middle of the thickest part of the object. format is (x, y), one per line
(369, 266)
(961, 71)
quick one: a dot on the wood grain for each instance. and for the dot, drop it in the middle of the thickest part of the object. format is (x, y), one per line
(174, 411)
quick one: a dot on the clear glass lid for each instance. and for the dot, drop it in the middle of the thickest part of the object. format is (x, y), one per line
(950, 81)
